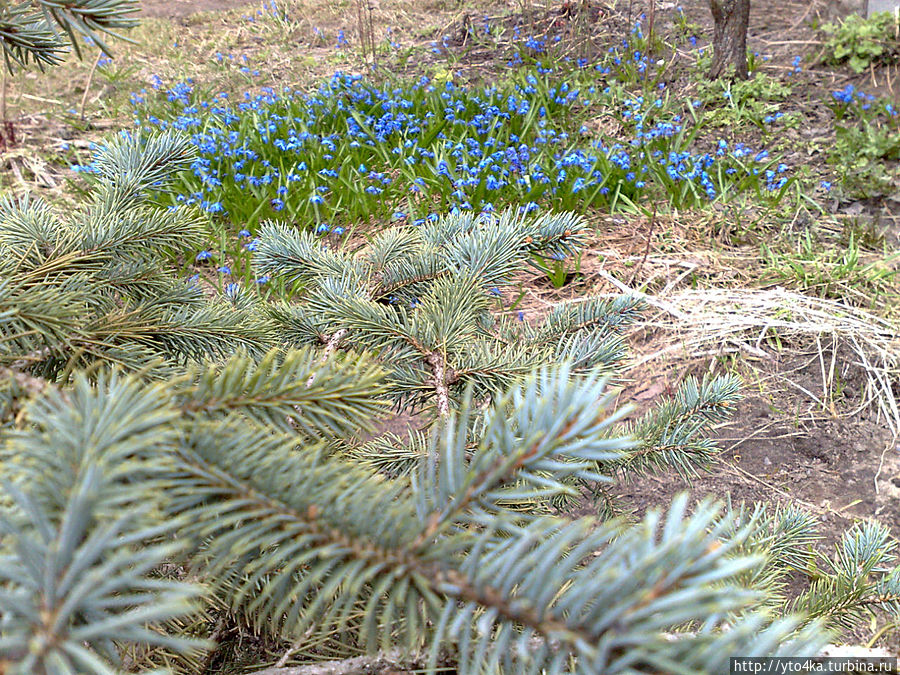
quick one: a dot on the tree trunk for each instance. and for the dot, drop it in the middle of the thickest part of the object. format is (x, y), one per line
(729, 37)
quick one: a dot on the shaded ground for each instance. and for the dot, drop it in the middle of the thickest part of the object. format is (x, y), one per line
(782, 447)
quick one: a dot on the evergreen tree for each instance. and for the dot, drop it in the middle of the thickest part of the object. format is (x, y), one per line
(420, 297)
(94, 288)
(166, 454)
(43, 31)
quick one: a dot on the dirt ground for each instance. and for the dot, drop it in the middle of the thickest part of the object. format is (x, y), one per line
(781, 447)
(173, 9)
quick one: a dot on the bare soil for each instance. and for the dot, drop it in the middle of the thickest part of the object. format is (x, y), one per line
(175, 9)
(781, 447)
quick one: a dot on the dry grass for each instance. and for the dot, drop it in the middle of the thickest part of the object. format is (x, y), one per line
(712, 322)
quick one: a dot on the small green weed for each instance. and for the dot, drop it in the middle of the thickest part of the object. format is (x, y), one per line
(684, 28)
(733, 103)
(556, 268)
(859, 42)
(865, 231)
(844, 273)
(864, 154)
(114, 74)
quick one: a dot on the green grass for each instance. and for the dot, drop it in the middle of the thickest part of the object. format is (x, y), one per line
(845, 272)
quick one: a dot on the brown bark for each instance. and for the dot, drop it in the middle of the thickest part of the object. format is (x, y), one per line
(730, 18)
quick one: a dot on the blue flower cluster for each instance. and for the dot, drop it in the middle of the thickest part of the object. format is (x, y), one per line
(849, 94)
(851, 100)
(267, 8)
(354, 150)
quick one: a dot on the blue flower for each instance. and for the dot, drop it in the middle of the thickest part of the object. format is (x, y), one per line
(384, 127)
(845, 95)
(244, 233)
(203, 255)
(225, 269)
